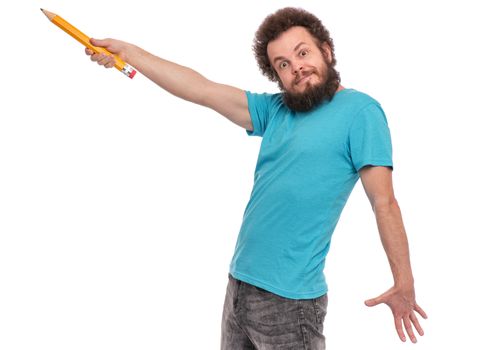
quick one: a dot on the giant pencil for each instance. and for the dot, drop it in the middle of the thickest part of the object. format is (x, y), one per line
(85, 40)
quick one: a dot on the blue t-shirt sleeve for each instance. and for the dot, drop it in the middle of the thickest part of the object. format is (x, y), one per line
(370, 139)
(259, 107)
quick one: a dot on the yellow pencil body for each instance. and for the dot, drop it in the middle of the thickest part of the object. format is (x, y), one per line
(85, 40)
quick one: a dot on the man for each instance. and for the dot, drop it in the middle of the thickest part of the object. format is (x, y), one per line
(318, 139)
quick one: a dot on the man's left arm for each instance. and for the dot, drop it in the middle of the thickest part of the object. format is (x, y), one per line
(377, 182)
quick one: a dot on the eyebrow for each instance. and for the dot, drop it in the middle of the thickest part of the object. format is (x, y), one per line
(295, 49)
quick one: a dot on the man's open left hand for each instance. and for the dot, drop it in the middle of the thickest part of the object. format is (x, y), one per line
(402, 304)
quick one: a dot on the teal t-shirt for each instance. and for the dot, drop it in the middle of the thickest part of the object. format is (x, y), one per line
(307, 167)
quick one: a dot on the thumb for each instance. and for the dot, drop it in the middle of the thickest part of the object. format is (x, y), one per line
(373, 302)
(100, 42)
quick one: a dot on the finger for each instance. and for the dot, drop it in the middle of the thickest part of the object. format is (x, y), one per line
(89, 52)
(399, 329)
(111, 63)
(101, 59)
(373, 302)
(420, 311)
(416, 323)
(95, 57)
(408, 327)
(105, 60)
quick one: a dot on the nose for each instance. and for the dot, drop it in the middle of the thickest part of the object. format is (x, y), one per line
(296, 67)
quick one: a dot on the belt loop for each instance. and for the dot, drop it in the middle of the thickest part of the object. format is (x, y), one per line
(236, 291)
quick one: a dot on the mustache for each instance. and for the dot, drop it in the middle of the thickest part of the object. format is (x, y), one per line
(304, 74)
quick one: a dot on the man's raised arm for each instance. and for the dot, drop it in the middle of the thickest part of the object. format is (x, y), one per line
(178, 80)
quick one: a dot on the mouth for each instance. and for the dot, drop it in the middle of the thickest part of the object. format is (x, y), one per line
(304, 78)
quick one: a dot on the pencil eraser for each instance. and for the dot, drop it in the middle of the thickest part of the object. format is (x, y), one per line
(132, 74)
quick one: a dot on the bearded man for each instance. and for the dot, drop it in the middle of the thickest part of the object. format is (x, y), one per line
(318, 139)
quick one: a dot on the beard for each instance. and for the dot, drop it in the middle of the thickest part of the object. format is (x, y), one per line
(313, 95)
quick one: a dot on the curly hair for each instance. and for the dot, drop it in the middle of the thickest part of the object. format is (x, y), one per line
(277, 23)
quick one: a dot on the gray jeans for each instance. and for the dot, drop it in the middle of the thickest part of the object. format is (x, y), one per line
(257, 319)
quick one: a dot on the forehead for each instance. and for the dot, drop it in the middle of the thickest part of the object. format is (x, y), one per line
(287, 41)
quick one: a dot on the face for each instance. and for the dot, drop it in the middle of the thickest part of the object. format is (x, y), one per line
(298, 61)
(302, 67)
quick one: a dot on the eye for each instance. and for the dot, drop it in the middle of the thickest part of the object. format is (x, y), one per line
(303, 53)
(283, 64)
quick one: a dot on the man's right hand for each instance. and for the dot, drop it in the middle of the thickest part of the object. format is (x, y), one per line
(116, 47)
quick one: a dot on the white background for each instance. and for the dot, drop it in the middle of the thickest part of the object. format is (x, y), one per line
(120, 204)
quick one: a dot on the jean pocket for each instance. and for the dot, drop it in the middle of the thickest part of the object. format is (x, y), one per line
(320, 305)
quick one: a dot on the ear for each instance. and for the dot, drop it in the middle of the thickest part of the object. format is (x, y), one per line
(327, 51)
